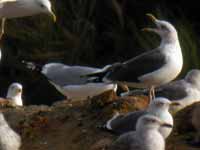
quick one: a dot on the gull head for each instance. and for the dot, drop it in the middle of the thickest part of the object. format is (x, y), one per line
(163, 28)
(38, 6)
(160, 104)
(15, 92)
(193, 77)
(150, 122)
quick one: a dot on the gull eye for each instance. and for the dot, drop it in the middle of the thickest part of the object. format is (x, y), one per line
(152, 121)
(159, 104)
(162, 27)
(42, 5)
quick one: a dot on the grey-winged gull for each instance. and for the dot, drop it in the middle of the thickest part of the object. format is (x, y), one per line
(9, 139)
(153, 68)
(185, 91)
(146, 136)
(67, 80)
(22, 8)
(14, 95)
(124, 123)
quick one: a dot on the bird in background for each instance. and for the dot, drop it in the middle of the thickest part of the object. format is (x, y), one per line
(185, 91)
(14, 96)
(22, 8)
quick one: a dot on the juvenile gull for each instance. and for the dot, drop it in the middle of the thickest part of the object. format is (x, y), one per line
(67, 80)
(153, 68)
(14, 95)
(185, 91)
(146, 136)
(158, 107)
(21, 8)
(9, 139)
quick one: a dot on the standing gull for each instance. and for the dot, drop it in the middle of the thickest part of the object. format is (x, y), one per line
(146, 136)
(22, 8)
(14, 95)
(158, 107)
(185, 91)
(67, 80)
(153, 68)
(9, 139)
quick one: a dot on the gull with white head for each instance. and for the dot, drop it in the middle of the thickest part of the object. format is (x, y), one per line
(185, 91)
(153, 68)
(22, 8)
(122, 123)
(68, 81)
(14, 95)
(146, 136)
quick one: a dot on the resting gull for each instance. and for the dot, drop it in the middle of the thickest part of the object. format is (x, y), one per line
(67, 80)
(14, 95)
(124, 123)
(153, 68)
(185, 91)
(146, 136)
(22, 8)
(9, 139)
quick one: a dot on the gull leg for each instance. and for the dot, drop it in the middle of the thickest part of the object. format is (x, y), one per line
(2, 27)
(151, 93)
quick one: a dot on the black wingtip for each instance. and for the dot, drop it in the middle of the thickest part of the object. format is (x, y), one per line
(105, 129)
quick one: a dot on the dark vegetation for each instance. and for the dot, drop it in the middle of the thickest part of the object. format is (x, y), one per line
(93, 33)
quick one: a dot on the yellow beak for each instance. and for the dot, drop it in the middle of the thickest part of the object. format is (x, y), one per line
(175, 104)
(53, 16)
(151, 17)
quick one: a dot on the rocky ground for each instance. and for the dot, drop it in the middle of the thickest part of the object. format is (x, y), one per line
(74, 125)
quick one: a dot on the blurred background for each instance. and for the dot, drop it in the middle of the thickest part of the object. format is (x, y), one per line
(92, 33)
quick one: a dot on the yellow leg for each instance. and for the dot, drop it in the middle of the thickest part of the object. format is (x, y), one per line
(151, 93)
(2, 27)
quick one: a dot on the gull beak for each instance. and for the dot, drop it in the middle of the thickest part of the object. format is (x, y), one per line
(53, 16)
(153, 19)
(164, 124)
(175, 104)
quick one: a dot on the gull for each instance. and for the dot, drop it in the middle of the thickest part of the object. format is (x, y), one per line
(185, 91)
(14, 95)
(159, 107)
(146, 136)
(9, 139)
(153, 68)
(22, 8)
(68, 81)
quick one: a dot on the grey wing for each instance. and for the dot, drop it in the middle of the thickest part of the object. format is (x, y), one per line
(127, 141)
(123, 124)
(68, 75)
(132, 69)
(6, 8)
(174, 91)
